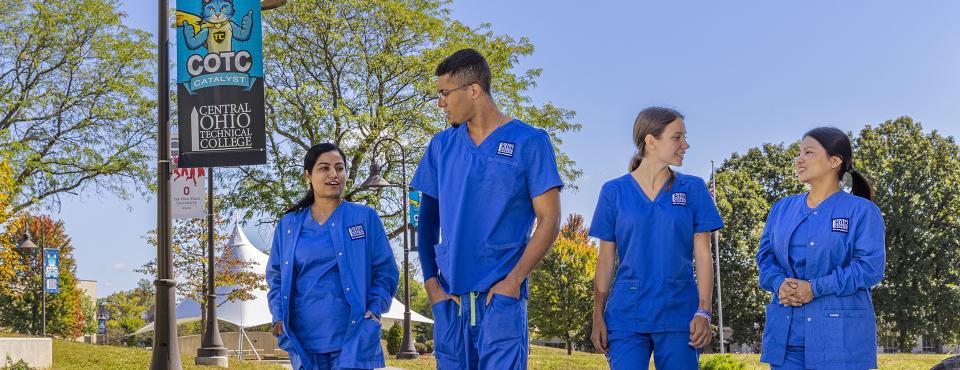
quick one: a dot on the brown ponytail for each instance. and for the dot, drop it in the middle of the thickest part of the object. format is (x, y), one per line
(650, 121)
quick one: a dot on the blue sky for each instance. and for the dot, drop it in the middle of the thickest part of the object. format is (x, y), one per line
(743, 73)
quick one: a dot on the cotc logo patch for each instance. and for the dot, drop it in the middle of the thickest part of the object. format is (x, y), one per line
(679, 199)
(841, 225)
(505, 149)
(357, 232)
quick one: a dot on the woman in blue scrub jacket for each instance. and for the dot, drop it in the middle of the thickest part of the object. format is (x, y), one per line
(657, 223)
(331, 273)
(820, 252)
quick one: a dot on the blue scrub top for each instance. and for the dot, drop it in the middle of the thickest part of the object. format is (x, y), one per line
(320, 312)
(798, 263)
(845, 257)
(485, 194)
(654, 289)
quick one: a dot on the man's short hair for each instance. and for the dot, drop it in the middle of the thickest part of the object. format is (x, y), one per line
(466, 66)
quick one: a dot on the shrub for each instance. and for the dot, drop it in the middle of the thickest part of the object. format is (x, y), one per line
(722, 362)
(394, 337)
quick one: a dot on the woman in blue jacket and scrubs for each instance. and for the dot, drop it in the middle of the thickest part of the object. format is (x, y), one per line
(331, 273)
(657, 224)
(820, 252)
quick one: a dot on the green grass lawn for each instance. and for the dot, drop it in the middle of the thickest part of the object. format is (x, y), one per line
(68, 355)
(545, 358)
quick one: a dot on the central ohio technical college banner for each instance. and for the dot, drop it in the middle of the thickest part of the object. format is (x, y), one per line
(220, 83)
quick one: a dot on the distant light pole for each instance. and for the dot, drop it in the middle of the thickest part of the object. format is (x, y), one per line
(27, 245)
(407, 348)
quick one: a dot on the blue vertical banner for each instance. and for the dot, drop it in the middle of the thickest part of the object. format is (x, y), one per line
(51, 270)
(220, 108)
(414, 200)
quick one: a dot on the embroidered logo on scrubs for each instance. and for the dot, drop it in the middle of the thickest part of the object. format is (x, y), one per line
(505, 149)
(841, 225)
(357, 232)
(680, 199)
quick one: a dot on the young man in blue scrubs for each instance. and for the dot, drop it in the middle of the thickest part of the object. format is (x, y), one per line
(484, 182)
(820, 253)
(654, 222)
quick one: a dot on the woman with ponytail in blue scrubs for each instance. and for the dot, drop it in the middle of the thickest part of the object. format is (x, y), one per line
(657, 224)
(331, 273)
(820, 252)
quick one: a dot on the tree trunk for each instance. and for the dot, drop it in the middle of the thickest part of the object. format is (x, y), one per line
(569, 347)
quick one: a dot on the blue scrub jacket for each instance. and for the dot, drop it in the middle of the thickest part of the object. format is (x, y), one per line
(368, 273)
(846, 258)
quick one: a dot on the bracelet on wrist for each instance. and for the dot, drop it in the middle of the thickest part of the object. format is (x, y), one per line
(704, 314)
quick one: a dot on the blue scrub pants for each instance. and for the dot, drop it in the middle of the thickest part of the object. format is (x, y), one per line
(793, 359)
(327, 361)
(475, 336)
(629, 350)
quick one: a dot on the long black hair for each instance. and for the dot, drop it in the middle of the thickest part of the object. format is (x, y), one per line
(310, 159)
(837, 143)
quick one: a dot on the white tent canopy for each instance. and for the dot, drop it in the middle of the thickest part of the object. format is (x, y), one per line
(256, 311)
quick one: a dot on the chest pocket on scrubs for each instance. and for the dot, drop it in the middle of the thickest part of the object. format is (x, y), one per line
(500, 176)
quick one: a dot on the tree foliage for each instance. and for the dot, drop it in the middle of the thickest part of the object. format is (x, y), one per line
(20, 303)
(358, 71)
(75, 111)
(189, 242)
(916, 181)
(561, 287)
(127, 311)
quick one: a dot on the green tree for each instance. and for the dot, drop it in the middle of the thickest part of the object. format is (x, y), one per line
(20, 311)
(189, 241)
(10, 261)
(75, 111)
(357, 71)
(916, 180)
(561, 287)
(127, 311)
(747, 185)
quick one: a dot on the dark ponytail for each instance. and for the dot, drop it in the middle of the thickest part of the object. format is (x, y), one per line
(310, 159)
(860, 186)
(837, 144)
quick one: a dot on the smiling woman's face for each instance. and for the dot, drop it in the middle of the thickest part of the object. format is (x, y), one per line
(328, 175)
(814, 163)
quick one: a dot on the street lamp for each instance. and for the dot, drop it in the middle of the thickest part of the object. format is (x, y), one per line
(27, 245)
(166, 351)
(271, 4)
(375, 181)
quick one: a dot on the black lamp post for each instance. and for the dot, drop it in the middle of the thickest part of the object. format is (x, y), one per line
(166, 352)
(211, 351)
(27, 246)
(407, 348)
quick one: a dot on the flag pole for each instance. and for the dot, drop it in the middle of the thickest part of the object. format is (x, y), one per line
(716, 245)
